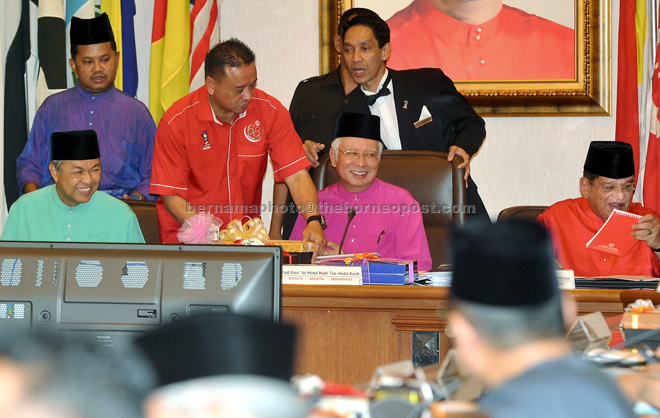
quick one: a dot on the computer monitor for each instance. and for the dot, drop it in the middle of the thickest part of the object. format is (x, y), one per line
(112, 291)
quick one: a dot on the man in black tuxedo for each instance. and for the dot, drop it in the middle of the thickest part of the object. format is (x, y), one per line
(315, 106)
(430, 113)
(419, 109)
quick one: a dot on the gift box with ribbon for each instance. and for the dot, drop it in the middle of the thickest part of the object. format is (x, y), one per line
(251, 232)
(377, 270)
(204, 228)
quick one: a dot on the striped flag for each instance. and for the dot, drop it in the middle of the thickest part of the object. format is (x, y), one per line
(52, 49)
(16, 51)
(128, 52)
(169, 75)
(83, 9)
(205, 33)
(638, 121)
(121, 13)
(651, 186)
(113, 9)
(627, 108)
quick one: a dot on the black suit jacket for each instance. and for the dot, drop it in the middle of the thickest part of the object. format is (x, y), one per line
(454, 122)
(318, 102)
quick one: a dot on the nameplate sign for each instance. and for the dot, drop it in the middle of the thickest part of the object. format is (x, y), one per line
(566, 279)
(320, 274)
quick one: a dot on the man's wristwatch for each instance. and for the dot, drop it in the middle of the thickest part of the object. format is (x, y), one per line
(319, 218)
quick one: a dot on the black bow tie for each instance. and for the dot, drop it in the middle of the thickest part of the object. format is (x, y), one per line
(384, 91)
(381, 93)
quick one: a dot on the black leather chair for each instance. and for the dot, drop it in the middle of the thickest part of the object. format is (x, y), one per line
(148, 219)
(529, 213)
(431, 179)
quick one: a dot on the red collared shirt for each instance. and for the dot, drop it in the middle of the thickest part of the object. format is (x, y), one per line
(219, 167)
(572, 224)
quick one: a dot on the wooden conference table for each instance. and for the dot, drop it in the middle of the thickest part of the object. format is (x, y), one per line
(345, 332)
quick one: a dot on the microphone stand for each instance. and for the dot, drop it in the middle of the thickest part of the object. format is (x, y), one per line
(351, 215)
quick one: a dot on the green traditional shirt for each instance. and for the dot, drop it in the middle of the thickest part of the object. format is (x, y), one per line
(42, 216)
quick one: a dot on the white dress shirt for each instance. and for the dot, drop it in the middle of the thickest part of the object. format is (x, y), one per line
(385, 108)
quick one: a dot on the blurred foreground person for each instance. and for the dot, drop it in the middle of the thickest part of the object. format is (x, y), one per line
(206, 345)
(46, 375)
(507, 319)
(642, 387)
(234, 396)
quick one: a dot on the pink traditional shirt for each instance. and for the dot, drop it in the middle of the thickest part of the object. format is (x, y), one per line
(388, 221)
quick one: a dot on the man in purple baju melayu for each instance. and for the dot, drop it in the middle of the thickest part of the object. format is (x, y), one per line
(124, 125)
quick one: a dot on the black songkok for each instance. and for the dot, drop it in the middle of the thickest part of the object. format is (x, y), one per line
(217, 344)
(74, 145)
(91, 31)
(507, 264)
(358, 125)
(611, 159)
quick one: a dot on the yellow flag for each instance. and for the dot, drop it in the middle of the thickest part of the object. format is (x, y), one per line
(640, 34)
(169, 75)
(113, 9)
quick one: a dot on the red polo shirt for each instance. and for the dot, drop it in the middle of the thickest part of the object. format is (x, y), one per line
(219, 167)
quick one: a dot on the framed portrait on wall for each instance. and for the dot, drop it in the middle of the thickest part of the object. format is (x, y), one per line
(511, 57)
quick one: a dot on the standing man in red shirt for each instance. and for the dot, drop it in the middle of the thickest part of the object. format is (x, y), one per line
(212, 149)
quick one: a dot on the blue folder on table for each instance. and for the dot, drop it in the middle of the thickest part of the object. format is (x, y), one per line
(389, 271)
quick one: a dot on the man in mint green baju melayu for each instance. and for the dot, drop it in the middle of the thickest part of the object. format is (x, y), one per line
(72, 209)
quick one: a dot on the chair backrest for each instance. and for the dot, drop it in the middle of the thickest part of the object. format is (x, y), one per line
(529, 213)
(148, 219)
(434, 182)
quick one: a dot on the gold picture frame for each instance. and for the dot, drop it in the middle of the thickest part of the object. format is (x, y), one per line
(589, 94)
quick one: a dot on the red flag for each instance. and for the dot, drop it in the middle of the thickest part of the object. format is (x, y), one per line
(652, 171)
(170, 54)
(627, 113)
(204, 35)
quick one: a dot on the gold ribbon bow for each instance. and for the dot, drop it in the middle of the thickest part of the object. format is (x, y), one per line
(235, 231)
(360, 256)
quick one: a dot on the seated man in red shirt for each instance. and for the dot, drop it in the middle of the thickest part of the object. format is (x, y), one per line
(608, 183)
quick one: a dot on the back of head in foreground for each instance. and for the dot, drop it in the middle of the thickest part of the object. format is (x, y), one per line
(219, 344)
(507, 319)
(61, 375)
(229, 396)
(504, 283)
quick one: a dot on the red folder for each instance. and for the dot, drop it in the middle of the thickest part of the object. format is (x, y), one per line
(615, 236)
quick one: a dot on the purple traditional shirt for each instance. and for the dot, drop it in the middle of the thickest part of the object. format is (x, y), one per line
(124, 127)
(388, 221)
